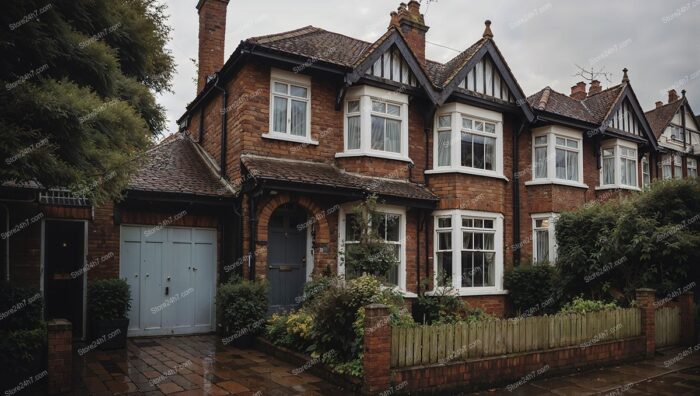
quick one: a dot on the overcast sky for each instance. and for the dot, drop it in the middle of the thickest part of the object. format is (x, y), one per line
(542, 41)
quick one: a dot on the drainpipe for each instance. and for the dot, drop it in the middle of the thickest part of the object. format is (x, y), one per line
(516, 198)
(685, 131)
(7, 242)
(420, 219)
(252, 230)
(224, 105)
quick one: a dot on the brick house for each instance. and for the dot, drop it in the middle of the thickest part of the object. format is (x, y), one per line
(287, 135)
(678, 134)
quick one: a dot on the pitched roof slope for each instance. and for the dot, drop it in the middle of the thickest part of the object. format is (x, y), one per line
(175, 166)
(554, 102)
(601, 104)
(660, 117)
(321, 174)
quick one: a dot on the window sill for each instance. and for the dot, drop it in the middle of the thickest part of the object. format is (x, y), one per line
(289, 138)
(396, 157)
(541, 182)
(617, 187)
(473, 172)
(467, 292)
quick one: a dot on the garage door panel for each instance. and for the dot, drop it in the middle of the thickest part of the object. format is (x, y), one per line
(203, 236)
(152, 285)
(183, 235)
(205, 278)
(131, 234)
(131, 270)
(178, 280)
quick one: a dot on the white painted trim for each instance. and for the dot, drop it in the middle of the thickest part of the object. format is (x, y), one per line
(456, 216)
(391, 209)
(373, 153)
(282, 76)
(467, 171)
(567, 183)
(551, 132)
(552, 217)
(616, 144)
(309, 254)
(289, 138)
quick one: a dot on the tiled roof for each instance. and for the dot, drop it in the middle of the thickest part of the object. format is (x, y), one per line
(175, 166)
(594, 109)
(336, 48)
(325, 175)
(660, 117)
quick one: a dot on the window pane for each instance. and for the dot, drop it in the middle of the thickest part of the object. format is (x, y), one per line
(445, 222)
(467, 269)
(490, 269)
(572, 166)
(541, 140)
(541, 162)
(354, 106)
(479, 126)
(467, 240)
(378, 107)
(377, 133)
(466, 123)
(445, 240)
(561, 141)
(300, 92)
(489, 153)
(608, 152)
(478, 269)
(393, 110)
(609, 171)
(479, 159)
(298, 118)
(478, 223)
(281, 88)
(351, 231)
(467, 223)
(488, 224)
(489, 241)
(444, 268)
(478, 240)
(467, 153)
(490, 128)
(542, 247)
(279, 121)
(393, 225)
(561, 163)
(571, 143)
(444, 152)
(354, 133)
(445, 121)
(393, 136)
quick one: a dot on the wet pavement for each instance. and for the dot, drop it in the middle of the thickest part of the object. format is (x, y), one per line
(643, 378)
(192, 365)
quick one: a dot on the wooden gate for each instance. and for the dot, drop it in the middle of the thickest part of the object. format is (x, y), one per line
(668, 326)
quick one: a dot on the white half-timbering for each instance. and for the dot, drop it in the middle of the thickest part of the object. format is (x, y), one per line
(626, 120)
(392, 66)
(485, 79)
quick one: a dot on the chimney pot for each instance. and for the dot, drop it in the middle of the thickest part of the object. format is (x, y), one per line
(414, 7)
(212, 33)
(595, 87)
(672, 96)
(578, 91)
(659, 104)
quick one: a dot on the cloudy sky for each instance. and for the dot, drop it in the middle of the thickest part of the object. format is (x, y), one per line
(542, 40)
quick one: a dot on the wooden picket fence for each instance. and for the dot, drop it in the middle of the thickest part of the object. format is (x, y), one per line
(667, 326)
(432, 344)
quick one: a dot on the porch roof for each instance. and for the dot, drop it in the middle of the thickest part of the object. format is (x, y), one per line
(326, 175)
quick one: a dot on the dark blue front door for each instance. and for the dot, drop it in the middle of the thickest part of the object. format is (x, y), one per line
(286, 256)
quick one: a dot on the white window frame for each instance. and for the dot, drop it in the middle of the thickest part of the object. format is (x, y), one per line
(285, 77)
(457, 111)
(552, 132)
(552, 217)
(693, 168)
(616, 144)
(677, 166)
(388, 209)
(667, 164)
(457, 241)
(366, 94)
(646, 172)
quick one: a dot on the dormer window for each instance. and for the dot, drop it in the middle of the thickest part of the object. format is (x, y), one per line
(376, 124)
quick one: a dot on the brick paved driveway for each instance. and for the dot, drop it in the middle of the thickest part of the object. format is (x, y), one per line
(192, 365)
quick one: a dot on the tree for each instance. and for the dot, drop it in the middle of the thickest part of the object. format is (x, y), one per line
(79, 80)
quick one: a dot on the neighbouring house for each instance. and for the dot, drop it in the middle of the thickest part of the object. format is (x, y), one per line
(678, 134)
(285, 137)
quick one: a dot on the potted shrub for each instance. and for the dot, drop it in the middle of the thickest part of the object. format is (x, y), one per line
(109, 301)
(241, 307)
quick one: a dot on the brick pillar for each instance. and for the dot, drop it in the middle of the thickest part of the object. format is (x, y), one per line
(60, 366)
(377, 349)
(645, 300)
(687, 318)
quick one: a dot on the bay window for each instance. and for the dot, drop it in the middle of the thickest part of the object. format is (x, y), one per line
(376, 124)
(468, 139)
(290, 107)
(469, 251)
(557, 157)
(543, 238)
(619, 165)
(667, 167)
(692, 167)
(389, 224)
(646, 172)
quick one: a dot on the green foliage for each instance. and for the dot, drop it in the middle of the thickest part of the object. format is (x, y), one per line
(579, 305)
(442, 306)
(79, 80)
(291, 330)
(21, 308)
(533, 289)
(22, 351)
(315, 288)
(108, 299)
(651, 239)
(371, 255)
(241, 306)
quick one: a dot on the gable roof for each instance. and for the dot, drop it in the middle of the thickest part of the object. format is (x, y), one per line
(175, 166)
(660, 117)
(554, 102)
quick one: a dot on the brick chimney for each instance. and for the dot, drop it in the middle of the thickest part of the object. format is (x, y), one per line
(659, 104)
(595, 88)
(672, 96)
(578, 91)
(212, 31)
(410, 22)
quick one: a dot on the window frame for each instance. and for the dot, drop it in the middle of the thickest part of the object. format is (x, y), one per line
(694, 167)
(667, 163)
(457, 111)
(677, 166)
(290, 79)
(384, 209)
(552, 132)
(552, 217)
(617, 145)
(457, 230)
(646, 172)
(366, 94)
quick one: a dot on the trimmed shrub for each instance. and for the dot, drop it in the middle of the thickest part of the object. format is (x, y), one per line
(241, 306)
(108, 299)
(581, 306)
(532, 289)
(20, 307)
